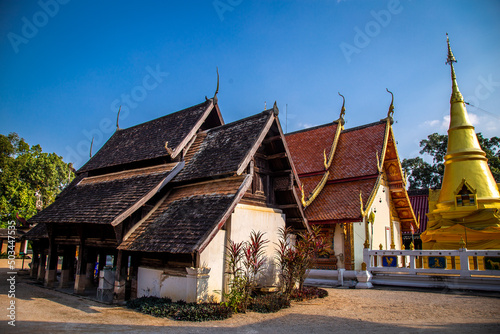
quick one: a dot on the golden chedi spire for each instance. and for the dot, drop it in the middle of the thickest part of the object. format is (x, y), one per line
(464, 157)
(469, 198)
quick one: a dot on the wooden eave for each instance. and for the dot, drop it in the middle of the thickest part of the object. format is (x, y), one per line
(203, 243)
(395, 181)
(175, 152)
(175, 170)
(251, 153)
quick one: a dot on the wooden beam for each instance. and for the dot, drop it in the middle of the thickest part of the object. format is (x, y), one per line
(288, 206)
(271, 139)
(277, 156)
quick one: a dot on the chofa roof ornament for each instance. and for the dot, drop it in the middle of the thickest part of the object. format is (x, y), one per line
(390, 113)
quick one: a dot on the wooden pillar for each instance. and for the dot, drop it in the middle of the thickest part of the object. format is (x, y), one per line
(35, 261)
(51, 272)
(134, 270)
(91, 261)
(41, 265)
(81, 266)
(67, 262)
(120, 277)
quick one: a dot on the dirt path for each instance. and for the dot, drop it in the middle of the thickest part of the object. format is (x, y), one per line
(40, 310)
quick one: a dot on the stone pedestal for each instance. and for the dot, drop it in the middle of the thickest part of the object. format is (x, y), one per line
(364, 278)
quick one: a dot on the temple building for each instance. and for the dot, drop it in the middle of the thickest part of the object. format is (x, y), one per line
(151, 212)
(353, 187)
(466, 210)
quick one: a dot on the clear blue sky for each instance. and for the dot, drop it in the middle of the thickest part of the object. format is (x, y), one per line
(66, 66)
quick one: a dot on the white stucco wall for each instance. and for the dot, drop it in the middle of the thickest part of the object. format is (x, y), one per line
(153, 282)
(246, 218)
(213, 257)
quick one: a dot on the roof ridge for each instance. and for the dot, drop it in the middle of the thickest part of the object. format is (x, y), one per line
(161, 117)
(360, 127)
(332, 123)
(227, 125)
(309, 129)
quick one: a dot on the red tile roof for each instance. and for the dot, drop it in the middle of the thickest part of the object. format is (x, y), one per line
(354, 167)
(355, 155)
(306, 147)
(419, 200)
(339, 201)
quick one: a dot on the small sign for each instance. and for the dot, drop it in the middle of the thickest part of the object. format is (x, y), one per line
(437, 262)
(491, 263)
(389, 261)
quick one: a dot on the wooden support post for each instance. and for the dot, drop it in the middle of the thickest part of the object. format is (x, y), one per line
(89, 272)
(51, 272)
(81, 266)
(35, 261)
(120, 277)
(41, 265)
(67, 262)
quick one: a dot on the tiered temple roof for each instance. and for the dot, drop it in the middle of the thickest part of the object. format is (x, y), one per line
(170, 184)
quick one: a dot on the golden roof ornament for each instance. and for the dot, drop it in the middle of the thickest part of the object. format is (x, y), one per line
(390, 113)
(456, 96)
(342, 110)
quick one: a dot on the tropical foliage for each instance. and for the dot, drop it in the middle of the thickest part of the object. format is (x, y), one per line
(25, 171)
(422, 174)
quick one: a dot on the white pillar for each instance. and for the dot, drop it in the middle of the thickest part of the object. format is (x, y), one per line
(197, 284)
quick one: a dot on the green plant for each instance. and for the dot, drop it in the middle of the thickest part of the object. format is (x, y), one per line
(296, 260)
(287, 258)
(245, 264)
(308, 246)
(180, 310)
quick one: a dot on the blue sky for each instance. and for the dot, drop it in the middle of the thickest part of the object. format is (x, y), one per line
(66, 65)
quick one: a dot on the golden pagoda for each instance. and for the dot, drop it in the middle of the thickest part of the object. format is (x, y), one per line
(468, 204)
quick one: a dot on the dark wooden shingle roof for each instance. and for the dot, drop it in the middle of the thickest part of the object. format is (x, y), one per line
(101, 199)
(224, 148)
(186, 217)
(39, 231)
(147, 141)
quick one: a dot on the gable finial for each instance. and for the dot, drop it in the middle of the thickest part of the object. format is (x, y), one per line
(217, 89)
(118, 118)
(276, 111)
(91, 144)
(391, 107)
(342, 110)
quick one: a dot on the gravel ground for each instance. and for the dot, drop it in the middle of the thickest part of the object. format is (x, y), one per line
(388, 310)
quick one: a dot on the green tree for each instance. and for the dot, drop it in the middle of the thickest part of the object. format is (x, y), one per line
(24, 171)
(422, 174)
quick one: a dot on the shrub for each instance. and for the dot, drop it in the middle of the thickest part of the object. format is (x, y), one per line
(202, 312)
(245, 263)
(296, 260)
(180, 310)
(308, 292)
(269, 303)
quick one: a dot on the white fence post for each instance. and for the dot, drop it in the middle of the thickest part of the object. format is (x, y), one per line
(464, 263)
